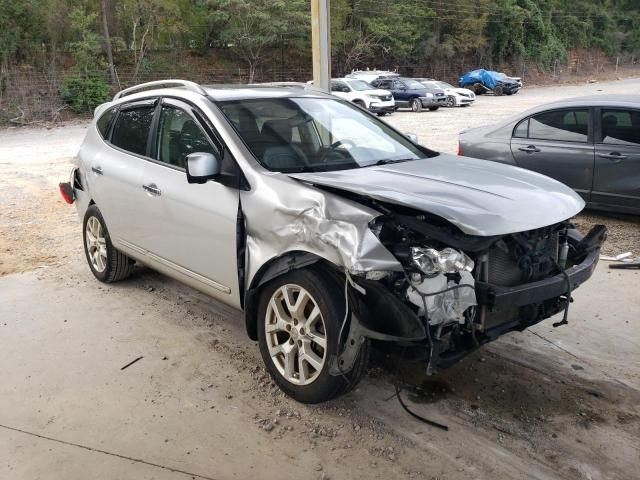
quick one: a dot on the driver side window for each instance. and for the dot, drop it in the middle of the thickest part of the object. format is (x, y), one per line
(178, 136)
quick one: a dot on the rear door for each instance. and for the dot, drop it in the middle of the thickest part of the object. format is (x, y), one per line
(558, 143)
(190, 228)
(115, 173)
(616, 180)
(400, 93)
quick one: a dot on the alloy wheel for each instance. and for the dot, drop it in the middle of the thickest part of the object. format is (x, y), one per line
(96, 244)
(296, 334)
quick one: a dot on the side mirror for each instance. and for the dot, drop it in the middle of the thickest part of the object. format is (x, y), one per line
(202, 166)
(412, 136)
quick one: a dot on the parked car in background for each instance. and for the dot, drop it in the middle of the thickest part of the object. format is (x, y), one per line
(483, 81)
(371, 75)
(364, 95)
(325, 225)
(591, 144)
(411, 94)
(456, 97)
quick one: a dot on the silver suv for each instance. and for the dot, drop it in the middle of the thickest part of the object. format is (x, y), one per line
(326, 226)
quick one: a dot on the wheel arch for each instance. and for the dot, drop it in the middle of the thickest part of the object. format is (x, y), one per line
(271, 269)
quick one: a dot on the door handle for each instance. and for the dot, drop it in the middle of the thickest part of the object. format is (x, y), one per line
(612, 156)
(529, 149)
(97, 170)
(152, 189)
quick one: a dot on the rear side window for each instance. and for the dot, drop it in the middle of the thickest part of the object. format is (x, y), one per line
(131, 130)
(620, 127)
(560, 125)
(104, 122)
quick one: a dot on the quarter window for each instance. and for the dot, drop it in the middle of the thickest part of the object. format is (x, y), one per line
(104, 122)
(131, 130)
(178, 136)
(620, 127)
(560, 125)
(522, 130)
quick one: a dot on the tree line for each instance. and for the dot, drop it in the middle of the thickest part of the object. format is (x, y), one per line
(99, 35)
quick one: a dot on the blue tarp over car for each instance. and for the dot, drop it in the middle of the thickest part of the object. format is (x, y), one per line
(488, 78)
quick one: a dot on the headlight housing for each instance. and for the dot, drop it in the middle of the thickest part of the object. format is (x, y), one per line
(375, 97)
(432, 262)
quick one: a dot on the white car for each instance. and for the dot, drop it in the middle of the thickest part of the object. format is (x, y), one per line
(363, 94)
(456, 97)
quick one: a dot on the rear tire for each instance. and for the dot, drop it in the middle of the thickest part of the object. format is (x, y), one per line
(416, 105)
(106, 263)
(299, 318)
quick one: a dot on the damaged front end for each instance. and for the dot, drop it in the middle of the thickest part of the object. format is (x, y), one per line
(459, 291)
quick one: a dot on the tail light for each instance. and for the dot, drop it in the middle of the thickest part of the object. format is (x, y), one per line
(67, 192)
(459, 149)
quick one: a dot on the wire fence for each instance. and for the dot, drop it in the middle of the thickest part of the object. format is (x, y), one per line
(31, 95)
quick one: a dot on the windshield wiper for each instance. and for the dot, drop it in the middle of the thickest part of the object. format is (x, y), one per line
(397, 160)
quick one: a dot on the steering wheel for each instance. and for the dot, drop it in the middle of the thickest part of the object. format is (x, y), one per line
(342, 143)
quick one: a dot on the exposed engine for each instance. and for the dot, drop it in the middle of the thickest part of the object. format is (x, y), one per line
(449, 277)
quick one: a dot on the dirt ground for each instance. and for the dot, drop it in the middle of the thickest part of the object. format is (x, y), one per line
(545, 404)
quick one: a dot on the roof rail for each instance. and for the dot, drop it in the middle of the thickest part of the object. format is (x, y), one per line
(194, 87)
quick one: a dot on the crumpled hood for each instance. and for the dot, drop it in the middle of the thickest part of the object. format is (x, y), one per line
(479, 197)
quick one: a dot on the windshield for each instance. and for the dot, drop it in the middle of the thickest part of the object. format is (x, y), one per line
(412, 84)
(444, 85)
(360, 85)
(316, 134)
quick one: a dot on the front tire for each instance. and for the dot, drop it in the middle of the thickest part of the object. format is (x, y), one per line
(451, 101)
(106, 263)
(433, 109)
(416, 105)
(299, 318)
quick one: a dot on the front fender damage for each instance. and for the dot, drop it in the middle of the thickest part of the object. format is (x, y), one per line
(288, 228)
(281, 219)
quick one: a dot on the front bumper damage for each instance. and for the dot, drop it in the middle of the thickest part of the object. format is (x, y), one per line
(490, 310)
(364, 241)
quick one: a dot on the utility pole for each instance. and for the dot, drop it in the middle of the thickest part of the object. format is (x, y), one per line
(321, 43)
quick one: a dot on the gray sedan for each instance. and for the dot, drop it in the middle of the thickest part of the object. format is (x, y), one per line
(591, 144)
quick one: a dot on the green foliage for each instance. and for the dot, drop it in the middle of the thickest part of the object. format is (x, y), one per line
(83, 94)
(86, 88)
(364, 32)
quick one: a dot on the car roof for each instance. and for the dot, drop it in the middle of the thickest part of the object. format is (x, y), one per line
(596, 101)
